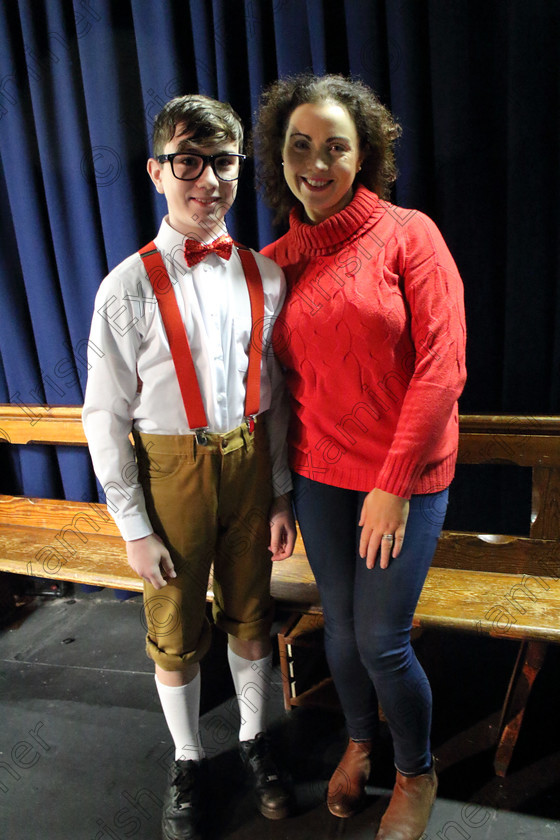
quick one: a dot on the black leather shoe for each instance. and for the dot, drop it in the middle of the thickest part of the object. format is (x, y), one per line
(273, 797)
(181, 806)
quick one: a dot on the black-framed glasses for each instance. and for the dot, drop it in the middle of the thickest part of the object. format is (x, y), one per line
(188, 166)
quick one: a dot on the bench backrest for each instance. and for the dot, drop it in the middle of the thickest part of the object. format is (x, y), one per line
(532, 442)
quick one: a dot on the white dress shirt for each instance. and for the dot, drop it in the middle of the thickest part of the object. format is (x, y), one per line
(128, 344)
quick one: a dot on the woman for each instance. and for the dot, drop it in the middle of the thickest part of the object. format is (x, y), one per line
(372, 339)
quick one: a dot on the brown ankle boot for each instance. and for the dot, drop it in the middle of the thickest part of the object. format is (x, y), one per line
(347, 785)
(409, 810)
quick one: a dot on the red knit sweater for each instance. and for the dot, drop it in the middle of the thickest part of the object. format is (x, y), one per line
(372, 337)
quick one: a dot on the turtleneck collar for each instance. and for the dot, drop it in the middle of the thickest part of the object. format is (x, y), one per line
(342, 228)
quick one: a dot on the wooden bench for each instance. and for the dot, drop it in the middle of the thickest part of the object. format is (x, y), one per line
(79, 541)
(496, 585)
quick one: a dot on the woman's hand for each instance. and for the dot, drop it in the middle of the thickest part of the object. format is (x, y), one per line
(282, 528)
(382, 514)
(150, 560)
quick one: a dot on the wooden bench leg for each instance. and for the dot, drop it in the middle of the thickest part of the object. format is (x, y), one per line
(529, 662)
(285, 662)
(305, 677)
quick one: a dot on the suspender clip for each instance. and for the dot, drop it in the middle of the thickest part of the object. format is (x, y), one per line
(201, 436)
(250, 421)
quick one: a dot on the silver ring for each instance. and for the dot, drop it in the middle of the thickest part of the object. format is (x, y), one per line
(389, 537)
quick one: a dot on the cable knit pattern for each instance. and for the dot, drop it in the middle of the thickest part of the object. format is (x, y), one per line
(372, 337)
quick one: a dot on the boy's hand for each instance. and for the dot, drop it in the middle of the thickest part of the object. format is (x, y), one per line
(382, 513)
(150, 560)
(282, 528)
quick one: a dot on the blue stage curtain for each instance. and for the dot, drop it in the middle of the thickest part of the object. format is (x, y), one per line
(475, 86)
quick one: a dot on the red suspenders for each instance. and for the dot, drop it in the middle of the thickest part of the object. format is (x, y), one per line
(177, 334)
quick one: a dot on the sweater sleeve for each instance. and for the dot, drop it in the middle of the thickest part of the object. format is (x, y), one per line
(278, 415)
(434, 295)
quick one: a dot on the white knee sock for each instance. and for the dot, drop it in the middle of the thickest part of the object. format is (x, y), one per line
(181, 707)
(251, 679)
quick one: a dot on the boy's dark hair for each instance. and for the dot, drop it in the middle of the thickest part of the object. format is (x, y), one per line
(210, 121)
(375, 126)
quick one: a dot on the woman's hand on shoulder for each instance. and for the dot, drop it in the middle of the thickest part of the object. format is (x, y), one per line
(383, 514)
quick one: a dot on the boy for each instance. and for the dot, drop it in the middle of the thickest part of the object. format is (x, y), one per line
(178, 360)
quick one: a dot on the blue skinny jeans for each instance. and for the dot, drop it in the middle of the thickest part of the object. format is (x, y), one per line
(368, 615)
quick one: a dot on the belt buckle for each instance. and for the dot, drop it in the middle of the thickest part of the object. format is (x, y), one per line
(201, 437)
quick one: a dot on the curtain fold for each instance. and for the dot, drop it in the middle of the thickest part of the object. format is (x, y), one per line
(474, 85)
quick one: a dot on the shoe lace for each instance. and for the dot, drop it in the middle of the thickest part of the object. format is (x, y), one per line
(262, 762)
(183, 780)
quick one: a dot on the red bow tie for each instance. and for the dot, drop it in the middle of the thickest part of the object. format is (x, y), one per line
(196, 251)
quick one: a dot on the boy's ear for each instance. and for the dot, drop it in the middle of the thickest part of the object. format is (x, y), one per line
(155, 171)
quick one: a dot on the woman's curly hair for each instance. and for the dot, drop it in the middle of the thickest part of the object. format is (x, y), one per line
(375, 126)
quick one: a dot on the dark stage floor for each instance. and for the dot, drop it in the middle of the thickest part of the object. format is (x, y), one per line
(84, 746)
